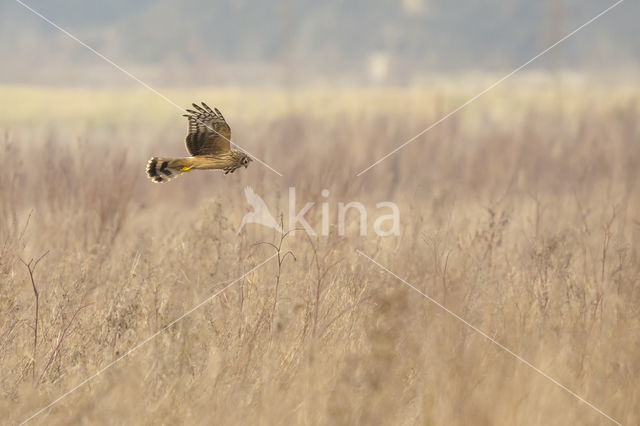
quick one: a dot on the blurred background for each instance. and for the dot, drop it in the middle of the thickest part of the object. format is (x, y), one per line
(306, 43)
(520, 213)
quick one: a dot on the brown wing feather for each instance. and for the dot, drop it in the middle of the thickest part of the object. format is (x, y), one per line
(208, 132)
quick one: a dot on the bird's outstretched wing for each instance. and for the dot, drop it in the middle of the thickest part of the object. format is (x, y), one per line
(208, 132)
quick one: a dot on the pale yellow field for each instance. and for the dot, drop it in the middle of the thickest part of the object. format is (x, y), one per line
(521, 214)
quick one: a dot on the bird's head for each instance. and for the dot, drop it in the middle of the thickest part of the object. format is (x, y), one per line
(245, 160)
(238, 159)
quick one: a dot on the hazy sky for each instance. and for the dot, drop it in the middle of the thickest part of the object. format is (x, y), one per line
(356, 41)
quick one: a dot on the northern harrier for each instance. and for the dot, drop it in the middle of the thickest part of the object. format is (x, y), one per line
(208, 141)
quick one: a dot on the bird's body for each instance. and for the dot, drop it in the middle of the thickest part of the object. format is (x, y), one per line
(208, 141)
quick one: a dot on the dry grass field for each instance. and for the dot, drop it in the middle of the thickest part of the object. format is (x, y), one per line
(521, 214)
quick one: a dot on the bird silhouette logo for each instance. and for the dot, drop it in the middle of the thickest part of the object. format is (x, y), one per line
(260, 213)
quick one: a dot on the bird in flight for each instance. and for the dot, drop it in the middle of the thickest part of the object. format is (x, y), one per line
(209, 143)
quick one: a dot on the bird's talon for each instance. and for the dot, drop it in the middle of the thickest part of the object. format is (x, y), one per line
(186, 169)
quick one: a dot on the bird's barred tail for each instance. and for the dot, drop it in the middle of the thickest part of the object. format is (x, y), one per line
(162, 170)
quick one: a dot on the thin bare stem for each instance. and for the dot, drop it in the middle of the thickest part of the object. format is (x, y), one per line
(31, 267)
